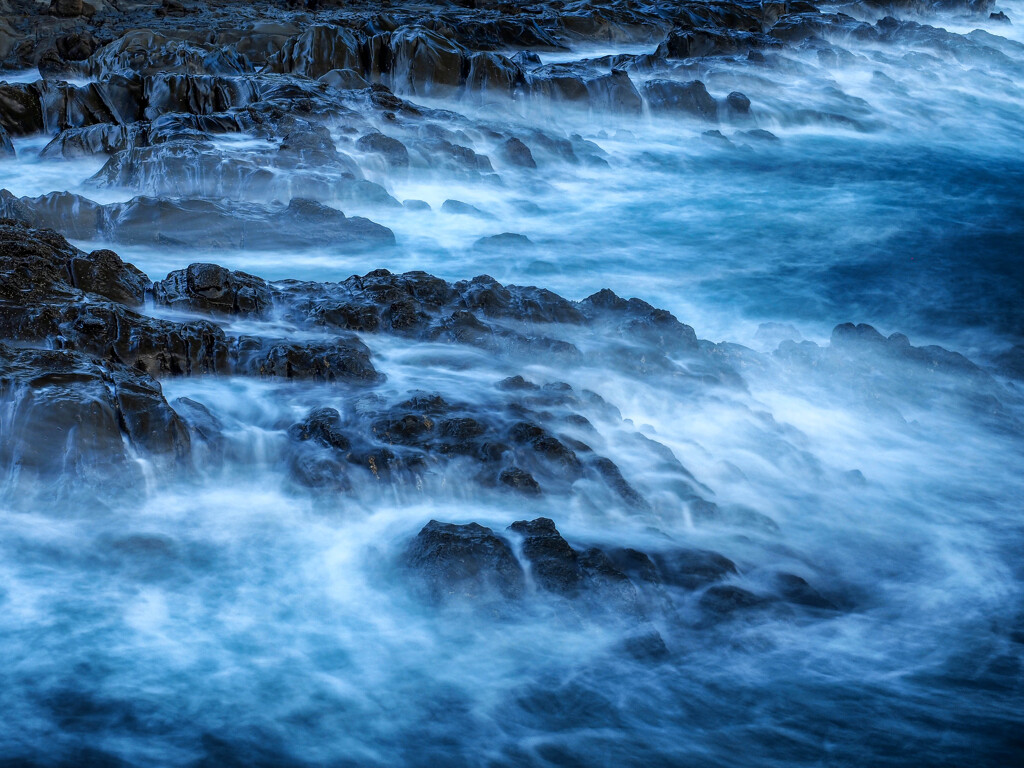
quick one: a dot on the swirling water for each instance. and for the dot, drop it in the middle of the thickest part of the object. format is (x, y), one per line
(231, 620)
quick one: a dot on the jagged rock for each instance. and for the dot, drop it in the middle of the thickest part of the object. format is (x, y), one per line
(102, 272)
(215, 290)
(340, 360)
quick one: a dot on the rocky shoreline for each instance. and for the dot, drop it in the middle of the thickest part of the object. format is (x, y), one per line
(445, 518)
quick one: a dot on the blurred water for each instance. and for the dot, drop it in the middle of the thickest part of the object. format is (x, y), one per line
(232, 621)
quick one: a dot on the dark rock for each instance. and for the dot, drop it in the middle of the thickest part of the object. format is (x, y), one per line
(344, 79)
(392, 150)
(519, 480)
(516, 153)
(416, 205)
(795, 589)
(506, 241)
(759, 134)
(670, 96)
(21, 110)
(738, 103)
(104, 273)
(726, 599)
(554, 565)
(692, 568)
(67, 8)
(342, 360)
(464, 562)
(463, 209)
(6, 145)
(76, 419)
(322, 425)
(215, 290)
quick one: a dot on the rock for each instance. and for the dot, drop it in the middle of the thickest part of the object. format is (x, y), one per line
(467, 562)
(692, 568)
(424, 62)
(506, 241)
(67, 8)
(519, 480)
(392, 150)
(323, 426)
(999, 16)
(691, 98)
(73, 421)
(21, 110)
(344, 79)
(460, 208)
(738, 103)
(341, 360)
(102, 272)
(759, 134)
(516, 153)
(726, 599)
(213, 289)
(795, 589)
(554, 565)
(586, 87)
(416, 205)
(6, 145)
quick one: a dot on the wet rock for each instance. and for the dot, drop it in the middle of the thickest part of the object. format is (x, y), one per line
(317, 51)
(761, 135)
(340, 360)
(21, 110)
(692, 568)
(69, 8)
(215, 290)
(690, 98)
(344, 79)
(519, 480)
(392, 150)
(210, 224)
(727, 599)
(6, 145)
(424, 62)
(459, 208)
(506, 241)
(554, 565)
(201, 421)
(323, 426)
(76, 419)
(637, 318)
(586, 87)
(468, 562)
(102, 272)
(698, 43)
(795, 589)
(416, 205)
(738, 103)
(515, 152)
